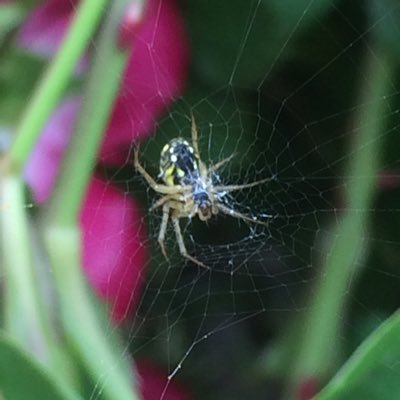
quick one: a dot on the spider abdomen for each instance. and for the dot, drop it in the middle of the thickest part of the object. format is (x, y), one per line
(178, 164)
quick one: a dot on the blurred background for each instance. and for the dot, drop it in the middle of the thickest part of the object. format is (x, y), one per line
(304, 92)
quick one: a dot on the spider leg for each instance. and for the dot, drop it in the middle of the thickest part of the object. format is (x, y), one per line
(195, 143)
(235, 214)
(164, 189)
(181, 244)
(219, 164)
(231, 188)
(163, 200)
(163, 229)
(195, 138)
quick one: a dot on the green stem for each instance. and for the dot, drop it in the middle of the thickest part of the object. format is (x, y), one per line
(25, 316)
(103, 358)
(55, 80)
(22, 310)
(319, 349)
(102, 87)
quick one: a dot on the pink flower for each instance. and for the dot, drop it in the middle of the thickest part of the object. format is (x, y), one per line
(153, 78)
(153, 384)
(45, 27)
(308, 388)
(114, 254)
(389, 179)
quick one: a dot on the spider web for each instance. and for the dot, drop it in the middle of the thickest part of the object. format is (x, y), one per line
(295, 123)
(292, 123)
(289, 115)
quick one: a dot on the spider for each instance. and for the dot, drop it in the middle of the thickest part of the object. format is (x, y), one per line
(188, 189)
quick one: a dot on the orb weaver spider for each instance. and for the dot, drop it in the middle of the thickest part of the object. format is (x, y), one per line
(188, 189)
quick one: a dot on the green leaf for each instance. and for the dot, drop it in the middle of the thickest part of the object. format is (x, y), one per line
(372, 373)
(23, 378)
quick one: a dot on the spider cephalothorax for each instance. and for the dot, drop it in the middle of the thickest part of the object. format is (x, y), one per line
(188, 188)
